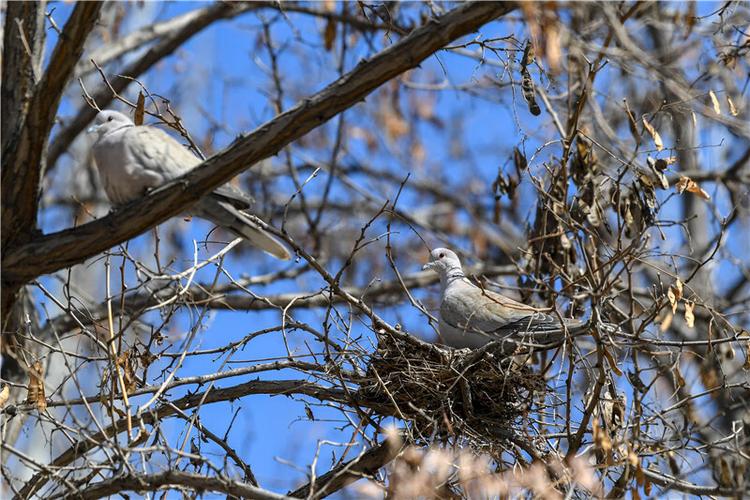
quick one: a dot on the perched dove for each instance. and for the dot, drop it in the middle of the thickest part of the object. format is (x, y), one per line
(471, 316)
(133, 159)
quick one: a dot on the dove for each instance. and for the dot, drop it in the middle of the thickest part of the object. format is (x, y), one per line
(131, 159)
(472, 317)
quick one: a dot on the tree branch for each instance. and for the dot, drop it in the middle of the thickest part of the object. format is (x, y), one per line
(66, 248)
(23, 39)
(90, 442)
(170, 478)
(23, 161)
(365, 465)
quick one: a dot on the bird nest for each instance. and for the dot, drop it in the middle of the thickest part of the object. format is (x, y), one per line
(481, 395)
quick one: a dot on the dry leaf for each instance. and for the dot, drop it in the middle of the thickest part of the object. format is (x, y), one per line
(674, 294)
(519, 159)
(140, 107)
(552, 47)
(715, 102)
(395, 126)
(36, 387)
(679, 380)
(418, 153)
(633, 458)
(746, 366)
(666, 322)
(601, 438)
(631, 122)
(725, 474)
(673, 463)
(689, 185)
(4, 393)
(728, 351)
(128, 375)
(612, 363)
(689, 316)
(732, 109)
(654, 134)
(695, 118)
(329, 35)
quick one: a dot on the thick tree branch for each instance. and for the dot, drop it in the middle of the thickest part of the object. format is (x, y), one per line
(23, 160)
(65, 248)
(171, 478)
(365, 465)
(23, 39)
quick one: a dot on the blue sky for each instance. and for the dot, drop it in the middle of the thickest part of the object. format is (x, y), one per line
(273, 430)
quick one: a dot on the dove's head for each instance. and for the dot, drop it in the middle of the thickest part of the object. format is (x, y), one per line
(443, 261)
(108, 121)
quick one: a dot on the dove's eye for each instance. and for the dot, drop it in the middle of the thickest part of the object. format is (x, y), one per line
(109, 119)
(441, 255)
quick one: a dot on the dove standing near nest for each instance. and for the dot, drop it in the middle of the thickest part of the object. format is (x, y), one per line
(132, 159)
(471, 316)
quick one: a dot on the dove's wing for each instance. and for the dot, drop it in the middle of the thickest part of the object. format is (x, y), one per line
(473, 310)
(158, 152)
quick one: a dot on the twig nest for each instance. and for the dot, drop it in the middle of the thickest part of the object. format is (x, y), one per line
(479, 395)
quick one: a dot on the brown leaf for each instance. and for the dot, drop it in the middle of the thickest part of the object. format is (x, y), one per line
(689, 316)
(552, 47)
(728, 351)
(519, 159)
(631, 123)
(4, 393)
(329, 35)
(666, 322)
(715, 102)
(746, 366)
(725, 473)
(689, 185)
(633, 458)
(674, 294)
(612, 362)
(732, 109)
(371, 141)
(673, 463)
(635, 494)
(601, 438)
(395, 126)
(36, 387)
(140, 107)
(654, 134)
(128, 375)
(679, 380)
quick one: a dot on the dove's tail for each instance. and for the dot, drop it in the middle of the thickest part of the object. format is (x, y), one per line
(225, 215)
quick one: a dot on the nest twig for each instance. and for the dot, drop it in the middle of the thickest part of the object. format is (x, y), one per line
(482, 396)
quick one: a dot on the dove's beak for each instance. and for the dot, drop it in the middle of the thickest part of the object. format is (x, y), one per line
(92, 129)
(429, 266)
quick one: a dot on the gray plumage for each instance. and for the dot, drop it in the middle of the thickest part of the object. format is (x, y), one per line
(133, 159)
(471, 316)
